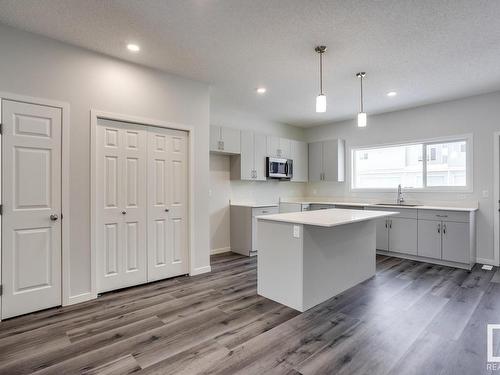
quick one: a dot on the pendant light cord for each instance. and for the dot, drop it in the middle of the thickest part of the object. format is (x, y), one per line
(361, 97)
(321, 73)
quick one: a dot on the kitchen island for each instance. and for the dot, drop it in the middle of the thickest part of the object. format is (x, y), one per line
(308, 257)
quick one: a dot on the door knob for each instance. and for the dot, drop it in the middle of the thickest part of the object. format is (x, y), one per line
(166, 210)
(124, 212)
(54, 217)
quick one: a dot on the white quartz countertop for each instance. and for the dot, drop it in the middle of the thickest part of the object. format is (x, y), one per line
(327, 218)
(254, 205)
(451, 207)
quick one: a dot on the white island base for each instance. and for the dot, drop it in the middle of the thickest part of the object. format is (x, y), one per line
(302, 265)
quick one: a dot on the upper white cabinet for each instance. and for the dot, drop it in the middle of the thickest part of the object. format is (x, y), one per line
(327, 160)
(299, 155)
(224, 140)
(278, 147)
(250, 164)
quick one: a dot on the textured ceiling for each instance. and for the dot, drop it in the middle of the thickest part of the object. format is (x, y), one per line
(426, 50)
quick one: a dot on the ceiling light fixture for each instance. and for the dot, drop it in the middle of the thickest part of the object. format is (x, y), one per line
(321, 98)
(392, 93)
(261, 90)
(361, 113)
(133, 47)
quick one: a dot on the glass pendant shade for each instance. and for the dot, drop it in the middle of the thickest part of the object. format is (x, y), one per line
(361, 119)
(321, 103)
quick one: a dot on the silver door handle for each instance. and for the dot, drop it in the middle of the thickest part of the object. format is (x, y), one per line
(54, 217)
(390, 223)
(124, 212)
(444, 228)
(439, 228)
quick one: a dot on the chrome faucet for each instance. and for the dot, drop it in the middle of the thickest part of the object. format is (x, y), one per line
(400, 199)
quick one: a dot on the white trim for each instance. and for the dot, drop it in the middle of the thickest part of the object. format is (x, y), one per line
(496, 197)
(220, 250)
(65, 184)
(84, 297)
(94, 116)
(469, 188)
(200, 270)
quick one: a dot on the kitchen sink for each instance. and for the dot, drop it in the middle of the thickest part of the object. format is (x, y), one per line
(397, 204)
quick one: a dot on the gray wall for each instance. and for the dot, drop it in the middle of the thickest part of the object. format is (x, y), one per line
(479, 115)
(222, 189)
(36, 66)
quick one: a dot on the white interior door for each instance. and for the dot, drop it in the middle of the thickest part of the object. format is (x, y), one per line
(121, 205)
(167, 207)
(31, 227)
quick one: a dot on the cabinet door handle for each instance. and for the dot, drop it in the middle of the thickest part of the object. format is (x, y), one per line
(386, 223)
(442, 215)
(444, 228)
(390, 224)
(439, 228)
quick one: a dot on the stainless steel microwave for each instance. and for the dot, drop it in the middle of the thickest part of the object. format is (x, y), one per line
(279, 168)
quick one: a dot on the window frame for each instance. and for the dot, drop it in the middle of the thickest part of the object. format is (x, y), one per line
(468, 188)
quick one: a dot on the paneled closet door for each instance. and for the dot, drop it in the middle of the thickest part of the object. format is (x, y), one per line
(167, 206)
(31, 221)
(121, 198)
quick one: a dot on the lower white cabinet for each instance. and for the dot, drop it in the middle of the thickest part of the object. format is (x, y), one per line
(244, 227)
(398, 235)
(429, 239)
(445, 240)
(293, 207)
(320, 206)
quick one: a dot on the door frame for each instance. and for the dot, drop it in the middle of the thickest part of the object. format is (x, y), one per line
(95, 115)
(66, 298)
(496, 197)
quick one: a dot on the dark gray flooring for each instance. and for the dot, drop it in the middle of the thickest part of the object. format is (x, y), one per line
(411, 318)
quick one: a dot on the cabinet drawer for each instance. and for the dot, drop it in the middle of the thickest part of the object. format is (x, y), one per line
(439, 215)
(347, 207)
(265, 211)
(405, 213)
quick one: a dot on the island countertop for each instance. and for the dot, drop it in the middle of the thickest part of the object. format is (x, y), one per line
(327, 218)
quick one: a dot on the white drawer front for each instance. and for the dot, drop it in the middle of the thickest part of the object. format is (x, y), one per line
(265, 211)
(439, 215)
(320, 206)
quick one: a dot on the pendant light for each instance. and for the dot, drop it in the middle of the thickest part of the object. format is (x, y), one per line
(321, 98)
(362, 113)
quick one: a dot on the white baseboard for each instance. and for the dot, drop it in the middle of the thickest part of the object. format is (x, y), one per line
(220, 250)
(486, 261)
(79, 298)
(200, 270)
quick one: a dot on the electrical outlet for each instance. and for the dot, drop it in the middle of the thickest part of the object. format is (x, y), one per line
(315, 191)
(296, 231)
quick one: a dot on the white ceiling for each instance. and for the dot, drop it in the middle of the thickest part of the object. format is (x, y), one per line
(426, 50)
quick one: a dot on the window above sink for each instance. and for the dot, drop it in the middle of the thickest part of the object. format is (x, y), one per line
(441, 164)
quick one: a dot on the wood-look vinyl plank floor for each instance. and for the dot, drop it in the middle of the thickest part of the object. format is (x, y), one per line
(411, 318)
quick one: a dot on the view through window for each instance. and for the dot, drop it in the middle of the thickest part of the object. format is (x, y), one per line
(388, 166)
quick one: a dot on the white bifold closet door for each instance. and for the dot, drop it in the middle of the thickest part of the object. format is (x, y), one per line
(31, 221)
(142, 194)
(167, 207)
(121, 200)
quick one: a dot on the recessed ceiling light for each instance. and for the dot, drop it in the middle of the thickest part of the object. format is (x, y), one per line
(133, 47)
(261, 90)
(392, 93)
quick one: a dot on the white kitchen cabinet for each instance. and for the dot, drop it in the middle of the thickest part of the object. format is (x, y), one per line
(446, 235)
(327, 160)
(320, 206)
(429, 239)
(403, 235)
(278, 147)
(250, 164)
(243, 233)
(293, 207)
(382, 229)
(299, 155)
(456, 242)
(224, 140)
